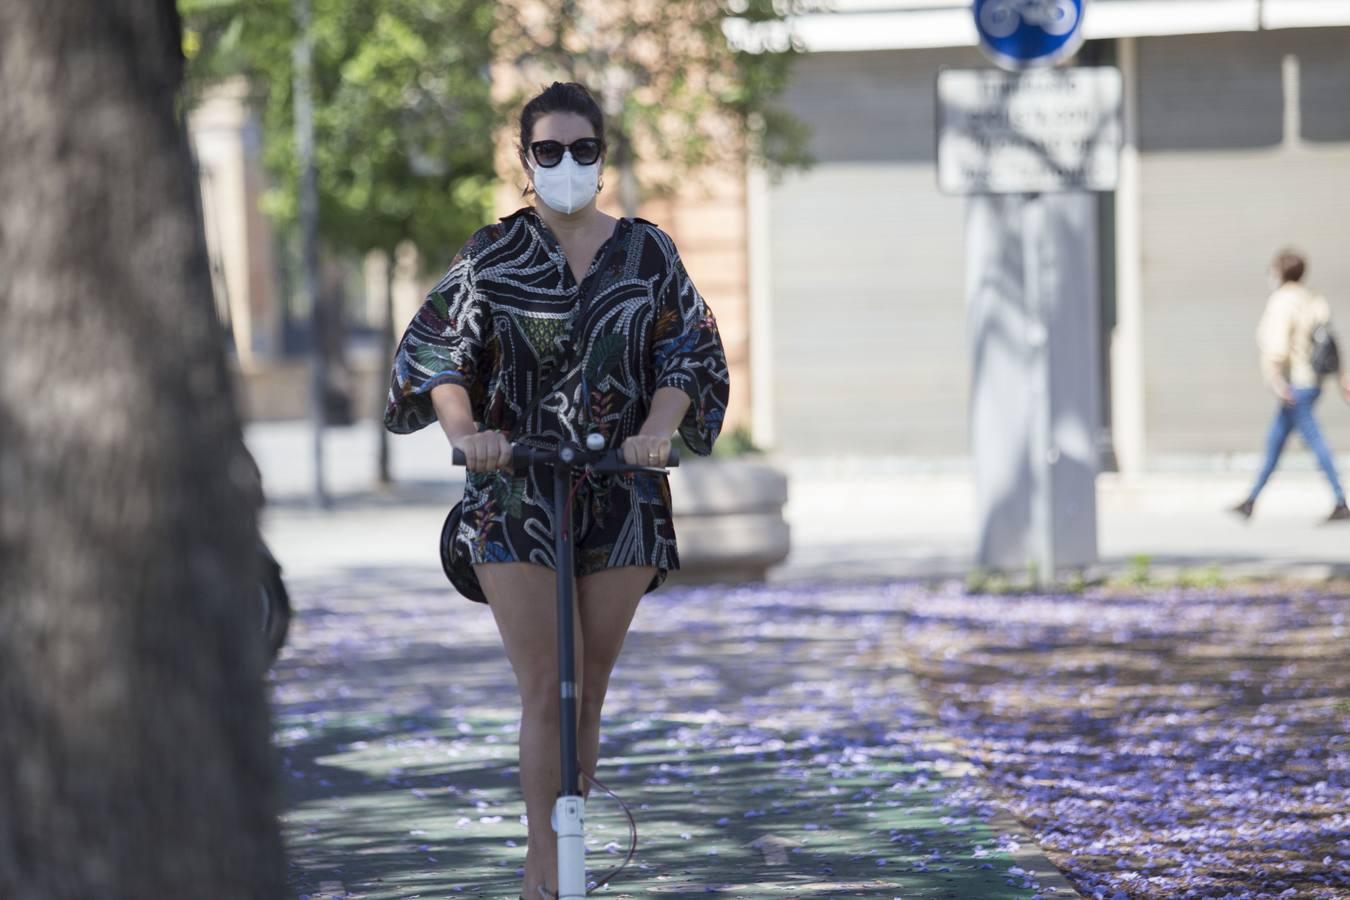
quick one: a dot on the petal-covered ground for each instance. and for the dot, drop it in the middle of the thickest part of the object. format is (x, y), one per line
(1170, 745)
(776, 741)
(770, 741)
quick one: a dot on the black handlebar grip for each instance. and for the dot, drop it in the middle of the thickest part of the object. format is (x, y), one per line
(520, 456)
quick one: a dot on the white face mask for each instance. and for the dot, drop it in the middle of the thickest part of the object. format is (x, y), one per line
(567, 187)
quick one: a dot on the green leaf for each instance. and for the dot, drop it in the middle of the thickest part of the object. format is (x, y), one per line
(605, 355)
(434, 358)
(513, 500)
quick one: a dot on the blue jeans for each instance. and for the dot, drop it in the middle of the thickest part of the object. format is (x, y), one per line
(1299, 416)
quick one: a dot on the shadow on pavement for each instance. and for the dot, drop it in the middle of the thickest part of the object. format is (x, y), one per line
(768, 739)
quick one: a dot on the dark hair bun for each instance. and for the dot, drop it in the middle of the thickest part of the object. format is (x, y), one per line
(561, 97)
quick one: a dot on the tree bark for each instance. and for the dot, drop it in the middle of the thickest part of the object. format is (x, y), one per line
(626, 166)
(134, 754)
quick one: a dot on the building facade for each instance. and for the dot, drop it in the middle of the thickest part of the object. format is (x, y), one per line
(841, 291)
(1237, 144)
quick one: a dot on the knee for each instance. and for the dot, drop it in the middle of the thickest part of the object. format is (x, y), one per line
(539, 695)
(593, 696)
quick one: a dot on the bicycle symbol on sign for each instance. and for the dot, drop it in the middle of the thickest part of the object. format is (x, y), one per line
(1002, 18)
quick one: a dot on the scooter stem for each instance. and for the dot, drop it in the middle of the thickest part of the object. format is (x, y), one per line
(569, 810)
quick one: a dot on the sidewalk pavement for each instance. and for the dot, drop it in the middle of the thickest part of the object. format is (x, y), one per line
(768, 737)
(923, 526)
(850, 520)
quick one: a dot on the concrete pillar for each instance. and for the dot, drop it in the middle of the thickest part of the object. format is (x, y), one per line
(1032, 282)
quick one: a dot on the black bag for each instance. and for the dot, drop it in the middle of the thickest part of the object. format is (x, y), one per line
(458, 569)
(1326, 356)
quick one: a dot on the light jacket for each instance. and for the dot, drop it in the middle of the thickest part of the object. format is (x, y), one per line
(1284, 336)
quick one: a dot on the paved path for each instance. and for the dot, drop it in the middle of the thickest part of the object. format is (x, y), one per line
(850, 520)
(767, 739)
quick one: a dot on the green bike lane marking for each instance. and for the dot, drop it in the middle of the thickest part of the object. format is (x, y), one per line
(380, 810)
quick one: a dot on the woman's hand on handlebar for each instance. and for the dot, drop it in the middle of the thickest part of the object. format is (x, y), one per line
(646, 450)
(485, 451)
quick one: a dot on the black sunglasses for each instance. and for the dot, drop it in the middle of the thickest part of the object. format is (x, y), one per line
(549, 153)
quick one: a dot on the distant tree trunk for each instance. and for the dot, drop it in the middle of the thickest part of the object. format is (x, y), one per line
(387, 355)
(626, 166)
(302, 62)
(134, 757)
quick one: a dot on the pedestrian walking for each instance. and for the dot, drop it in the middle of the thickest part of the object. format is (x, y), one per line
(554, 324)
(1297, 354)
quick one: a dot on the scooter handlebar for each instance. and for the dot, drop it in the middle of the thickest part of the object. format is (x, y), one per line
(603, 461)
(520, 456)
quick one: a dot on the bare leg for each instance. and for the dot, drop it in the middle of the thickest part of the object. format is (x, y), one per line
(607, 602)
(523, 598)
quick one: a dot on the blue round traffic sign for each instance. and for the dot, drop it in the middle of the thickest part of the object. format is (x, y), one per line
(1018, 34)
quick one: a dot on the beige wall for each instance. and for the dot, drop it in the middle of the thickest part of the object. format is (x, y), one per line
(225, 140)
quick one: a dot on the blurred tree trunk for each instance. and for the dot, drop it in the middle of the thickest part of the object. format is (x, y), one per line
(302, 56)
(384, 472)
(134, 758)
(625, 165)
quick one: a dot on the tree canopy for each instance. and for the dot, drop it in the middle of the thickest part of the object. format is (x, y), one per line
(402, 111)
(679, 93)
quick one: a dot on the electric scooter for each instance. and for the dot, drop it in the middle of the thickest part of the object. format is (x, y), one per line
(569, 811)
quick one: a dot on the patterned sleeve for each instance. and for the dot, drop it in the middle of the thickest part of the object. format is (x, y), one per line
(687, 352)
(444, 344)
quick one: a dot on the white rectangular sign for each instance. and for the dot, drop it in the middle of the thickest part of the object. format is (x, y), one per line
(1038, 131)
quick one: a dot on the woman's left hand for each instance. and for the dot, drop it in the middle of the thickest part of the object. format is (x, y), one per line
(646, 450)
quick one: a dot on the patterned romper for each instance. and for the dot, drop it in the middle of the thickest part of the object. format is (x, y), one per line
(500, 323)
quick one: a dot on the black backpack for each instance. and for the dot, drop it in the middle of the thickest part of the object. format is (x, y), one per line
(1326, 356)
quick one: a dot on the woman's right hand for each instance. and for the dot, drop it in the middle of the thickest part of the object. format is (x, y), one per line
(485, 451)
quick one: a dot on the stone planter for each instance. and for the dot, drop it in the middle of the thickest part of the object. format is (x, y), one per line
(729, 520)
